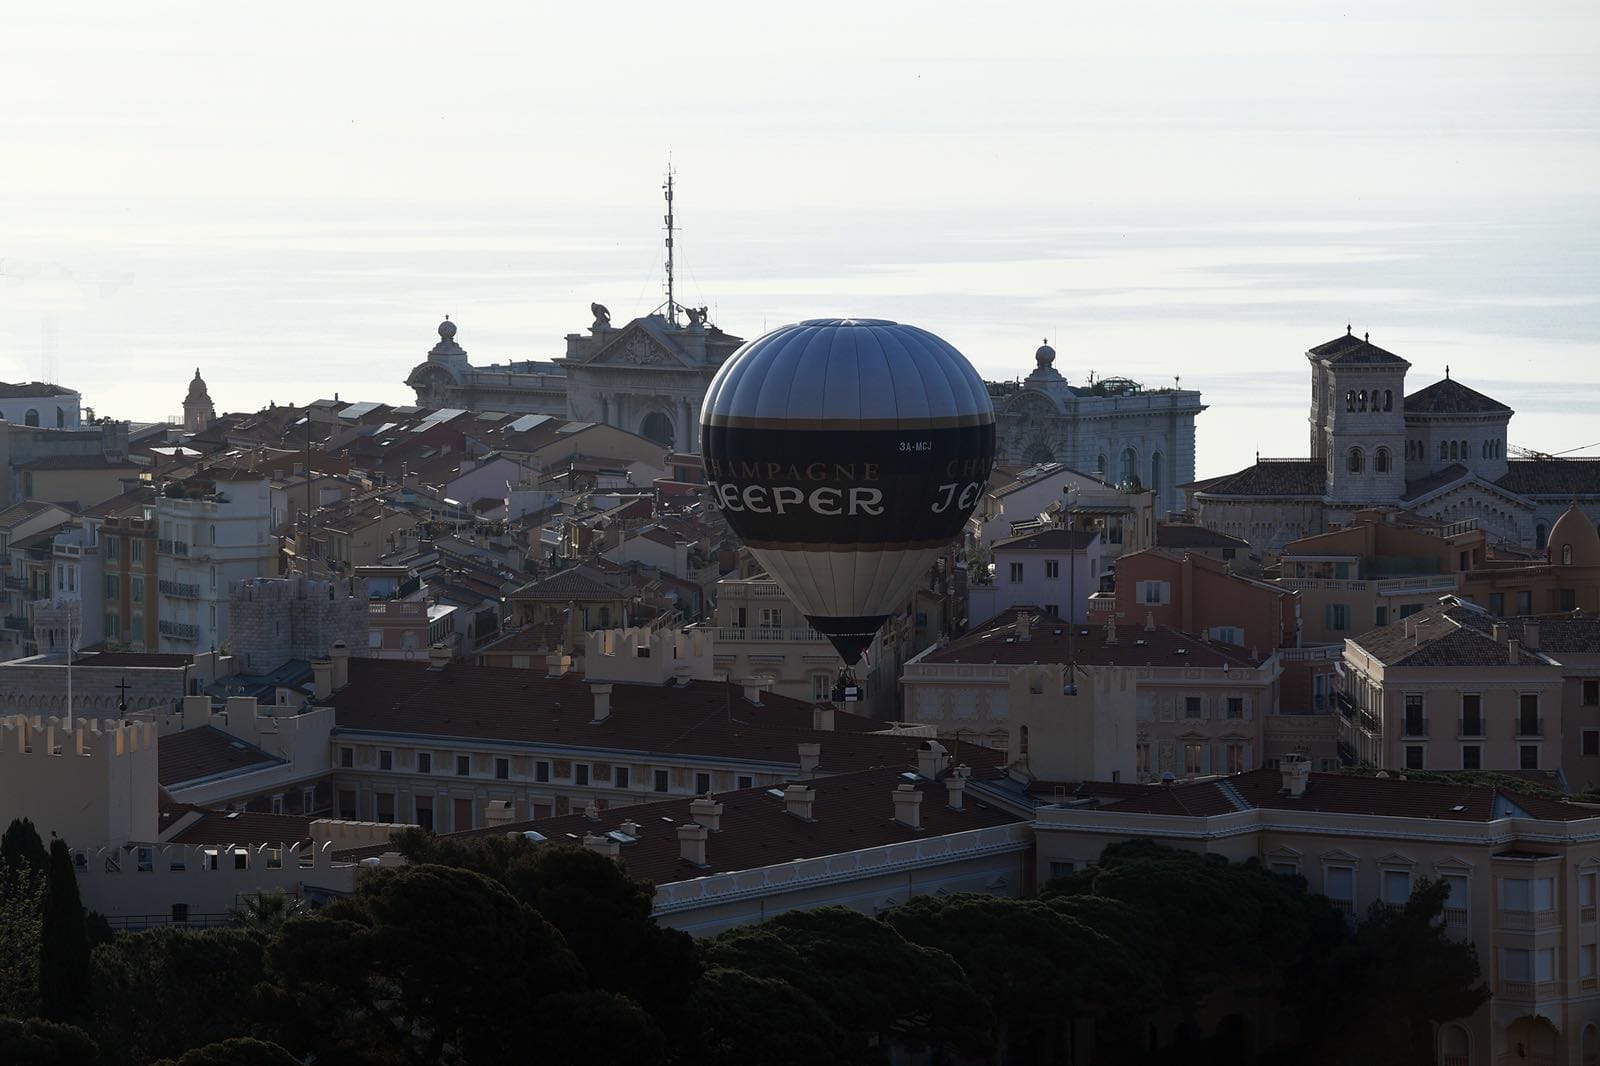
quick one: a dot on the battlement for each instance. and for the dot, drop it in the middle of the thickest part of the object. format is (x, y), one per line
(92, 784)
(24, 735)
(649, 656)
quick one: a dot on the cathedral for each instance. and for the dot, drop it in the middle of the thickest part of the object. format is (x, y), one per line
(1440, 453)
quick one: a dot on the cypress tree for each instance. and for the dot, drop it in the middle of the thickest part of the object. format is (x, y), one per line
(20, 846)
(64, 965)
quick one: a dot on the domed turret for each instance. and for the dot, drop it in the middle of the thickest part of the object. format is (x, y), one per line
(1574, 540)
(1045, 356)
(447, 330)
(198, 411)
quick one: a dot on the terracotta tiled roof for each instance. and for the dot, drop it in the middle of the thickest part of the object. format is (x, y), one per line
(147, 659)
(1442, 636)
(583, 582)
(850, 812)
(24, 510)
(1185, 535)
(1052, 641)
(1449, 397)
(1552, 477)
(1350, 350)
(1062, 540)
(703, 718)
(1392, 797)
(1273, 477)
(244, 827)
(196, 754)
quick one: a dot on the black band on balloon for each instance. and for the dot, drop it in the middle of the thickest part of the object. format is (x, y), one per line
(849, 636)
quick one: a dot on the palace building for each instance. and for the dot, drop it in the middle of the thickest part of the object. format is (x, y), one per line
(1440, 454)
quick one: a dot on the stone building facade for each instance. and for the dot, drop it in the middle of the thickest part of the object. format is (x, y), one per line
(275, 619)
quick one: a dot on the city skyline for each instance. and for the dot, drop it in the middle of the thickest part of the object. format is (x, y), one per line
(1162, 194)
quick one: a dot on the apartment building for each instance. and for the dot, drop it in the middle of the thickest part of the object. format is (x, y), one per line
(1057, 569)
(1523, 873)
(214, 530)
(1455, 688)
(130, 560)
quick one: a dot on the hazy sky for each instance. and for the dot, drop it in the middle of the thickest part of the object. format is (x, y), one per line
(291, 197)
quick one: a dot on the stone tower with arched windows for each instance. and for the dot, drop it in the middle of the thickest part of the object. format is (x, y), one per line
(1358, 419)
(198, 411)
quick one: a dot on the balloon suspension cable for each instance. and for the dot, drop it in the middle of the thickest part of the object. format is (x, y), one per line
(845, 687)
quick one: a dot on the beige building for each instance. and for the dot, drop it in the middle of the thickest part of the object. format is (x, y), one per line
(1523, 875)
(1454, 688)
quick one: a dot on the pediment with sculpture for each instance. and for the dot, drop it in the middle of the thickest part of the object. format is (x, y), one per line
(636, 347)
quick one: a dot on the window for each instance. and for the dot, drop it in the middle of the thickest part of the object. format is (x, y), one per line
(1472, 757)
(1459, 900)
(112, 624)
(1194, 758)
(1497, 604)
(1472, 715)
(1414, 756)
(1586, 895)
(621, 774)
(1528, 723)
(1235, 706)
(113, 586)
(1338, 617)
(580, 773)
(1380, 616)
(463, 766)
(541, 771)
(1052, 567)
(1339, 885)
(1380, 460)
(308, 799)
(424, 762)
(772, 617)
(1357, 461)
(1525, 602)
(1566, 599)
(746, 781)
(347, 757)
(1591, 691)
(1444, 450)
(1191, 706)
(502, 769)
(1396, 887)
(1151, 592)
(663, 780)
(385, 760)
(1566, 555)
(1388, 399)
(1591, 741)
(1361, 399)
(1528, 756)
(1416, 725)
(1586, 966)
(113, 546)
(1526, 966)
(1016, 572)
(1527, 894)
(1235, 758)
(702, 784)
(1541, 535)
(1141, 758)
(1455, 453)
(424, 812)
(821, 688)
(1350, 400)
(136, 589)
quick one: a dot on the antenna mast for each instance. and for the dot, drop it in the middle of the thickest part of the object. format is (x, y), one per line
(672, 305)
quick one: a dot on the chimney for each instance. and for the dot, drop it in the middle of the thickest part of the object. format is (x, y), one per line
(498, 811)
(557, 665)
(591, 811)
(603, 844)
(753, 687)
(1149, 621)
(631, 828)
(1021, 631)
(707, 812)
(196, 711)
(798, 800)
(438, 657)
(908, 806)
(956, 786)
(602, 703)
(340, 654)
(692, 843)
(322, 678)
(682, 675)
(810, 756)
(822, 717)
(1530, 634)
(1513, 651)
(1500, 632)
(931, 760)
(1296, 769)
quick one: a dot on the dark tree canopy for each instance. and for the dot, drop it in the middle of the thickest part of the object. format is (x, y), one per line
(64, 961)
(36, 1042)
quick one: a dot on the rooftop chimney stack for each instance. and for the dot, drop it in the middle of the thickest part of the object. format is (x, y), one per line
(630, 827)
(322, 678)
(822, 717)
(1296, 770)
(1530, 634)
(705, 811)
(1500, 632)
(810, 756)
(931, 760)
(956, 786)
(1513, 651)
(557, 665)
(692, 843)
(1022, 625)
(603, 844)
(602, 703)
(752, 689)
(908, 806)
(340, 654)
(438, 656)
(497, 811)
(798, 801)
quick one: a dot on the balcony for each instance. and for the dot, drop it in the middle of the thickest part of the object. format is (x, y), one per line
(1455, 916)
(1530, 727)
(173, 547)
(16, 584)
(17, 622)
(1530, 990)
(769, 634)
(1529, 920)
(179, 589)
(1415, 727)
(178, 630)
(1469, 729)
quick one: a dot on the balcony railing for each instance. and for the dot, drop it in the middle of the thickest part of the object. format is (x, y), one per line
(1465, 728)
(1529, 989)
(172, 547)
(768, 633)
(1549, 919)
(1415, 727)
(18, 584)
(17, 622)
(179, 589)
(178, 630)
(1530, 727)
(1455, 916)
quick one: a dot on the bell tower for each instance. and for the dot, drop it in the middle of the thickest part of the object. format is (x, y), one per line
(198, 411)
(1358, 421)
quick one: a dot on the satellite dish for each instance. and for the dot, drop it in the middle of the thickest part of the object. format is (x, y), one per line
(846, 454)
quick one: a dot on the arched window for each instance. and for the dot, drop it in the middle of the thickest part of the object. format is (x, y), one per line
(1380, 461)
(1466, 450)
(1484, 451)
(32, 418)
(1155, 472)
(1350, 400)
(1102, 469)
(1566, 555)
(657, 427)
(1388, 399)
(61, 419)
(1361, 400)
(1128, 474)
(1358, 461)
(1444, 450)
(1022, 742)
(1375, 405)
(1541, 535)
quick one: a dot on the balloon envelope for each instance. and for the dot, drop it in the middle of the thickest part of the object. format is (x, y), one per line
(846, 454)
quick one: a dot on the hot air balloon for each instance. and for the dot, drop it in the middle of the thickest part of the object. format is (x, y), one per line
(846, 454)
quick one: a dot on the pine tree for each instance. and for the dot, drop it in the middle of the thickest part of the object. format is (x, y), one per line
(64, 964)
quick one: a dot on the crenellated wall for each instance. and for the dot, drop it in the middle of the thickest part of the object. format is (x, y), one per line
(90, 785)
